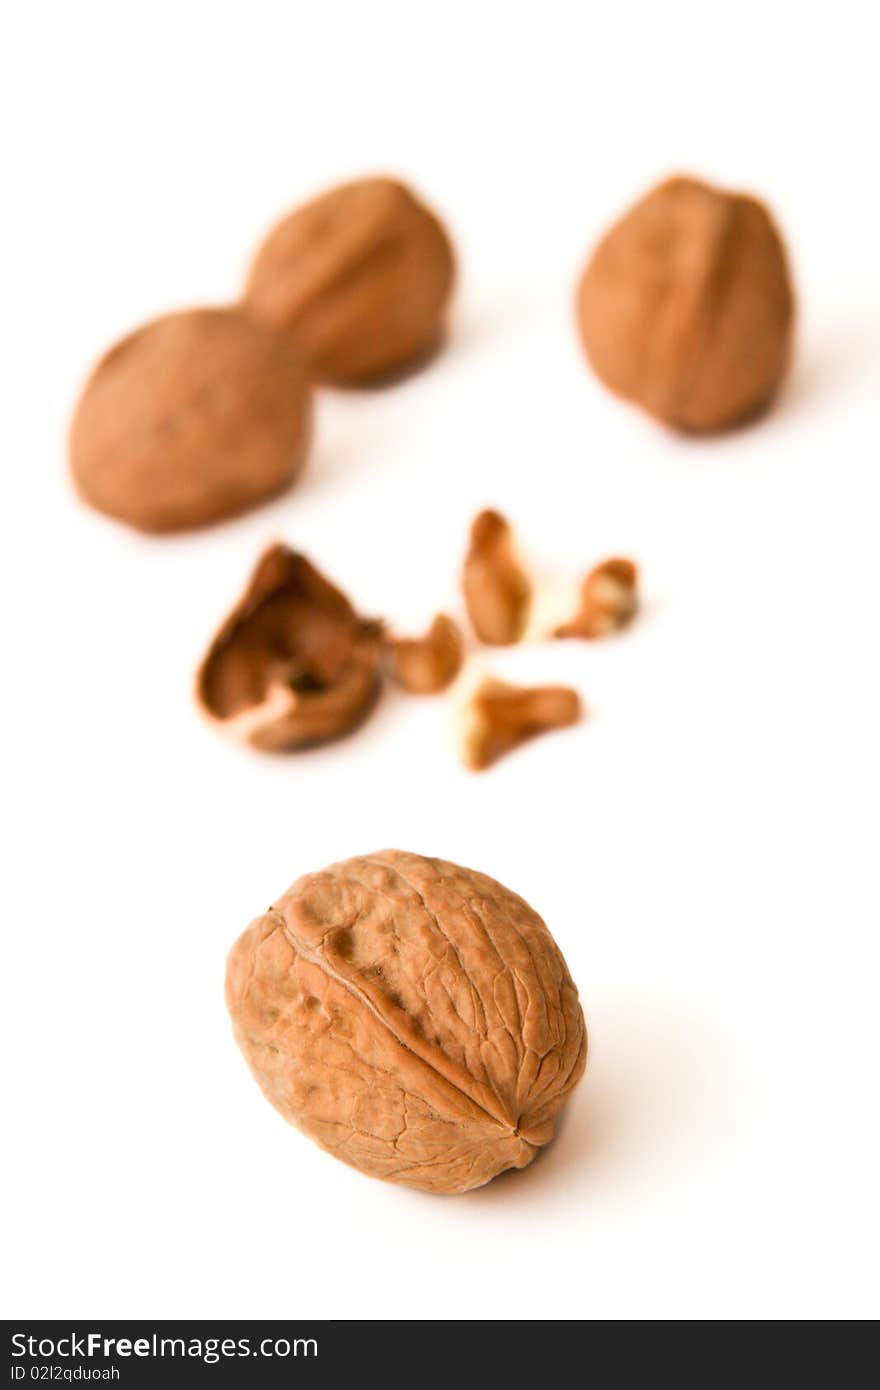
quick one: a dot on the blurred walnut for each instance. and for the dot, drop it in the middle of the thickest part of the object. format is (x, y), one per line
(414, 1018)
(686, 306)
(293, 665)
(361, 276)
(194, 417)
(499, 717)
(426, 665)
(609, 600)
(497, 590)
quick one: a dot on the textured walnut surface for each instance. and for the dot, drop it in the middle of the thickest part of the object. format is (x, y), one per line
(686, 306)
(194, 417)
(361, 277)
(415, 1018)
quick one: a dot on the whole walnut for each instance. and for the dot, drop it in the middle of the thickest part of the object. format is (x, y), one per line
(414, 1018)
(361, 277)
(293, 665)
(192, 418)
(686, 306)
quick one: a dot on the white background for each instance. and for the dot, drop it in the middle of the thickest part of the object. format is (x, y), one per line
(704, 847)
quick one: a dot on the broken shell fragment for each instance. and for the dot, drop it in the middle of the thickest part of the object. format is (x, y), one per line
(497, 590)
(293, 665)
(609, 600)
(500, 716)
(426, 665)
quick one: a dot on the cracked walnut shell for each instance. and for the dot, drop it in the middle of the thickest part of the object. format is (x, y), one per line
(360, 277)
(609, 600)
(686, 306)
(497, 590)
(293, 665)
(414, 1018)
(499, 717)
(192, 418)
(426, 665)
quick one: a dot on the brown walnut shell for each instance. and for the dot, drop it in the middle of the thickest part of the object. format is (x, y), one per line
(686, 306)
(497, 590)
(192, 418)
(500, 716)
(414, 1018)
(293, 665)
(361, 277)
(609, 601)
(426, 665)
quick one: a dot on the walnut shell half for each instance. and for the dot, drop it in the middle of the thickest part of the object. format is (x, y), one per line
(686, 306)
(293, 665)
(194, 417)
(414, 1018)
(360, 277)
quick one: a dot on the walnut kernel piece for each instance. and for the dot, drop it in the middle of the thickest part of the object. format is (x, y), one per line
(426, 665)
(293, 665)
(499, 717)
(497, 590)
(686, 306)
(414, 1018)
(192, 418)
(361, 277)
(609, 600)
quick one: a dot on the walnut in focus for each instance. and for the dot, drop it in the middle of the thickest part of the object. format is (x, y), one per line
(194, 417)
(497, 591)
(293, 665)
(426, 665)
(360, 277)
(499, 717)
(609, 601)
(414, 1018)
(686, 306)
